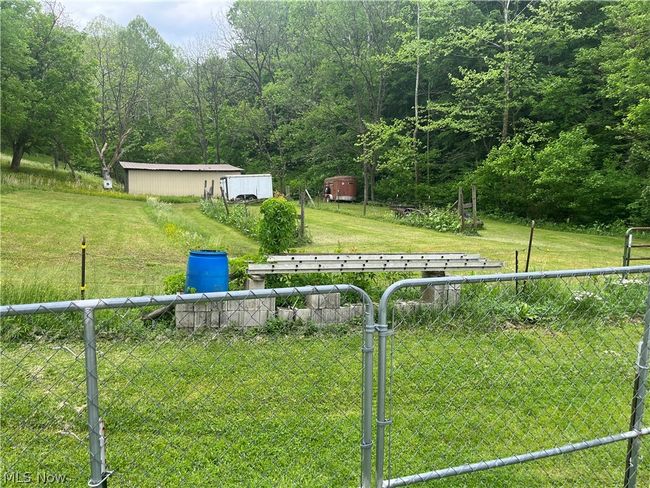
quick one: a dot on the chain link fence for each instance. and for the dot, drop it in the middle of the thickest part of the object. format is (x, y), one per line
(493, 371)
(275, 387)
(250, 388)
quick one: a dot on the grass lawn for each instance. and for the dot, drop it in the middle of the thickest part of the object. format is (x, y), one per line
(284, 410)
(132, 246)
(345, 229)
(128, 253)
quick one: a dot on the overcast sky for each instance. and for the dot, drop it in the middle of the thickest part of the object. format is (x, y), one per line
(178, 22)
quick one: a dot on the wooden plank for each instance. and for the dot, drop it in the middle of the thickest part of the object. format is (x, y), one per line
(371, 266)
(369, 257)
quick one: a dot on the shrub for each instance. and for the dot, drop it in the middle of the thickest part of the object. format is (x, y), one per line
(277, 229)
(237, 270)
(174, 283)
(505, 179)
(435, 219)
(640, 209)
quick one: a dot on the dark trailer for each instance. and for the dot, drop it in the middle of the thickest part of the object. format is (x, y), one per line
(340, 189)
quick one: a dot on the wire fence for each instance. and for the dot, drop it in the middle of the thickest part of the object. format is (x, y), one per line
(276, 387)
(256, 388)
(494, 371)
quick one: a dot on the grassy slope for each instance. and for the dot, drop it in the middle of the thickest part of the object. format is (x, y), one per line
(236, 243)
(130, 253)
(44, 214)
(42, 232)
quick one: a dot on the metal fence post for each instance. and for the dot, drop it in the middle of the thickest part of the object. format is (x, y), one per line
(382, 422)
(381, 405)
(366, 413)
(638, 403)
(94, 432)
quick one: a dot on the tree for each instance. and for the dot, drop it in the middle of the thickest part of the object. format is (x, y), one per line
(46, 86)
(388, 147)
(624, 58)
(131, 63)
(511, 51)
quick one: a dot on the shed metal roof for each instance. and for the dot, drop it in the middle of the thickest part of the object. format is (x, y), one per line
(178, 167)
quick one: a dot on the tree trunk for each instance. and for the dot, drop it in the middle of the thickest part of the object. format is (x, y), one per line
(506, 74)
(17, 156)
(218, 136)
(55, 158)
(415, 104)
(365, 187)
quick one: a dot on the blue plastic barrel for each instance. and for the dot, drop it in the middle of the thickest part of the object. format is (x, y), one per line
(206, 271)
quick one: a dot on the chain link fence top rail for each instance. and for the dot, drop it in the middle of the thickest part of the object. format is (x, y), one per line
(485, 371)
(250, 388)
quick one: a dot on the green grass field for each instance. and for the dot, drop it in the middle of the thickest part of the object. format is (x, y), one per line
(131, 247)
(283, 409)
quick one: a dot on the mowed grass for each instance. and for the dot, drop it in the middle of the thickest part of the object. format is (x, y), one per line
(131, 249)
(285, 411)
(345, 228)
(128, 252)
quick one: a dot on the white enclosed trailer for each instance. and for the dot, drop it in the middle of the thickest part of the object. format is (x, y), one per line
(247, 187)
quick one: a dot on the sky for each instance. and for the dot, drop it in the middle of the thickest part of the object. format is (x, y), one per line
(178, 22)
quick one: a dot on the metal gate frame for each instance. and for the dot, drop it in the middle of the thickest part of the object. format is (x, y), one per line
(87, 308)
(99, 476)
(629, 245)
(633, 436)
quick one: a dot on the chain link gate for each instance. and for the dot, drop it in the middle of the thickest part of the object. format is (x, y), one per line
(256, 388)
(498, 370)
(244, 388)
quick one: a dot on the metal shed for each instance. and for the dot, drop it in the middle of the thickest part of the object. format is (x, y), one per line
(173, 179)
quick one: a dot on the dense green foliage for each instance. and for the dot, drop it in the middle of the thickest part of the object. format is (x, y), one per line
(435, 219)
(278, 226)
(236, 216)
(545, 105)
(47, 95)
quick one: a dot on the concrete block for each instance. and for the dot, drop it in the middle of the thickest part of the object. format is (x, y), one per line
(442, 296)
(245, 318)
(329, 300)
(324, 316)
(304, 314)
(215, 314)
(262, 304)
(242, 313)
(184, 313)
(202, 315)
(409, 306)
(255, 282)
(357, 310)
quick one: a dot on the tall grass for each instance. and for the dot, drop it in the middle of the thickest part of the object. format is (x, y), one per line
(179, 229)
(237, 216)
